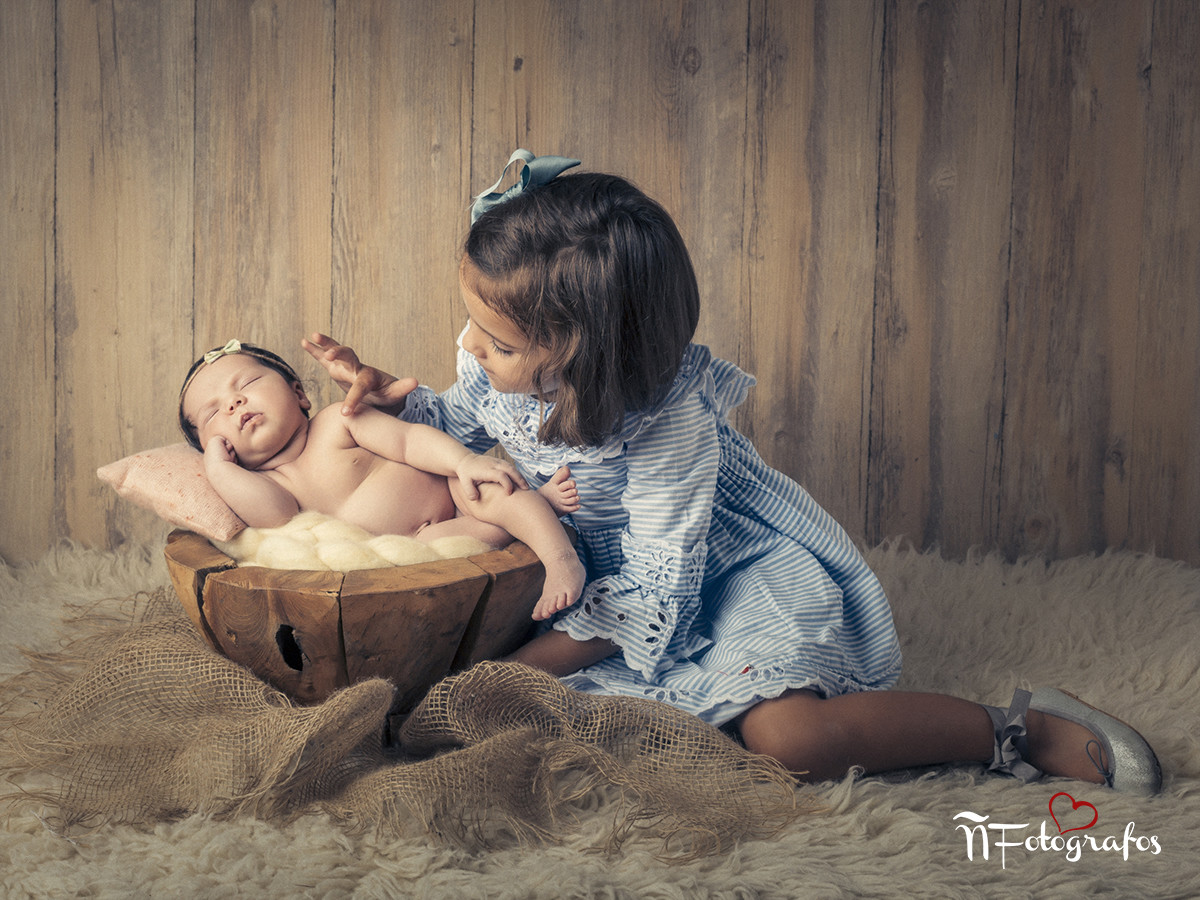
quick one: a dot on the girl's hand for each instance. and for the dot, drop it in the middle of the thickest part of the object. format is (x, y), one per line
(362, 384)
(474, 469)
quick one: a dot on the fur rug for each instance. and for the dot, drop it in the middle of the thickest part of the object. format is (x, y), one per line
(1122, 630)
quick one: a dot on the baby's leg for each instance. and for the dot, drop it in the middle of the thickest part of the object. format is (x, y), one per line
(466, 526)
(528, 517)
(561, 493)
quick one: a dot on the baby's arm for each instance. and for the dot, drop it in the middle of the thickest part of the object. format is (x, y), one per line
(255, 498)
(429, 450)
(524, 514)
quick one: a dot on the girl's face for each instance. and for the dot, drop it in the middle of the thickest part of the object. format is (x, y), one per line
(251, 406)
(506, 355)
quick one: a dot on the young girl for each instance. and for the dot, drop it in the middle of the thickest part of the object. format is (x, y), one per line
(243, 406)
(716, 584)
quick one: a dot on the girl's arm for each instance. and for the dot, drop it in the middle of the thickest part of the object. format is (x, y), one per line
(647, 607)
(362, 384)
(256, 499)
(453, 411)
(430, 450)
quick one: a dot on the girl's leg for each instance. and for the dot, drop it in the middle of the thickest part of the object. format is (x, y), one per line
(559, 654)
(822, 738)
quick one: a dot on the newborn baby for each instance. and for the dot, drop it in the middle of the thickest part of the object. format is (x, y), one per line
(244, 407)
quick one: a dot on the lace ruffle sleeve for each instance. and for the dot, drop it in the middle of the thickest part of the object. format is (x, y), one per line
(649, 605)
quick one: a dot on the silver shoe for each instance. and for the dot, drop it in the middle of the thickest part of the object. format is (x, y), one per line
(1132, 766)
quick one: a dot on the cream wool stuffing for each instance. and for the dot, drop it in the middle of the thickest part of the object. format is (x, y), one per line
(314, 541)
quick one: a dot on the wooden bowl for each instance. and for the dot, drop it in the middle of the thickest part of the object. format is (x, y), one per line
(311, 633)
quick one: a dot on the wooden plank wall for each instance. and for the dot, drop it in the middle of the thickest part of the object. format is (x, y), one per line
(957, 242)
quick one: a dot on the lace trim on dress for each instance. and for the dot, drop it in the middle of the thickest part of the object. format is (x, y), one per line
(664, 568)
(421, 407)
(648, 608)
(514, 419)
(648, 633)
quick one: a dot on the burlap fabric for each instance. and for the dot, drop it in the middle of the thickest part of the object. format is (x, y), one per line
(140, 722)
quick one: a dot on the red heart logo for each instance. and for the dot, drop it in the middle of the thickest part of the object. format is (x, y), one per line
(1075, 804)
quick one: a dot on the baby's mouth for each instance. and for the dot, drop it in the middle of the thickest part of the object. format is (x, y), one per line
(247, 417)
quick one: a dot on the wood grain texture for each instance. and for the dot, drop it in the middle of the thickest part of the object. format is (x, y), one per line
(1162, 461)
(123, 248)
(956, 242)
(653, 92)
(284, 626)
(27, 327)
(946, 178)
(401, 191)
(809, 232)
(503, 618)
(1077, 238)
(263, 168)
(310, 633)
(406, 624)
(190, 560)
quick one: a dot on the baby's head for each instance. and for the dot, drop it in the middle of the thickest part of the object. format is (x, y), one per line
(595, 274)
(247, 395)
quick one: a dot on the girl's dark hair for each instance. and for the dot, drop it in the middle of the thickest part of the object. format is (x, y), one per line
(266, 357)
(594, 271)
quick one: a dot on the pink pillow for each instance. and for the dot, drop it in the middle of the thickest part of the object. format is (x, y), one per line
(170, 482)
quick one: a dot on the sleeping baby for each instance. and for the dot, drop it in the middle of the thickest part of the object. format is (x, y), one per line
(245, 409)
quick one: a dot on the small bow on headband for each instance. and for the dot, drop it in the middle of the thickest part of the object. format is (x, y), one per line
(234, 346)
(538, 170)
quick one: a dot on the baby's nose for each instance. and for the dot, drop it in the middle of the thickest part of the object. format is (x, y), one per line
(235, 402)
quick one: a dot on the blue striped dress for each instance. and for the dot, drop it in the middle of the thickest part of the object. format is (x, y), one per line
(721, 579)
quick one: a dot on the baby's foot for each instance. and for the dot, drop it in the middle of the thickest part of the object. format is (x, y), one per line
(561, 493)
(565, 578)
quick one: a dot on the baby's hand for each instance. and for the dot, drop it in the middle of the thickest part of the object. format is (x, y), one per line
(474, 469)
(219, 450)
(362, 384)
(561, 492)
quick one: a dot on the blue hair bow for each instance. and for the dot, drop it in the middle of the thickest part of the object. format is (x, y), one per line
(538, 170)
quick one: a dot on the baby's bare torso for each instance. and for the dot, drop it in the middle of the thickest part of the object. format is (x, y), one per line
(333, 475)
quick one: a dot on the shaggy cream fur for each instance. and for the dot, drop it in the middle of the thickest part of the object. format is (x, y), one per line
(1121, 630)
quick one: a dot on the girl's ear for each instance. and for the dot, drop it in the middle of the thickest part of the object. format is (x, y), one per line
(302, 397)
